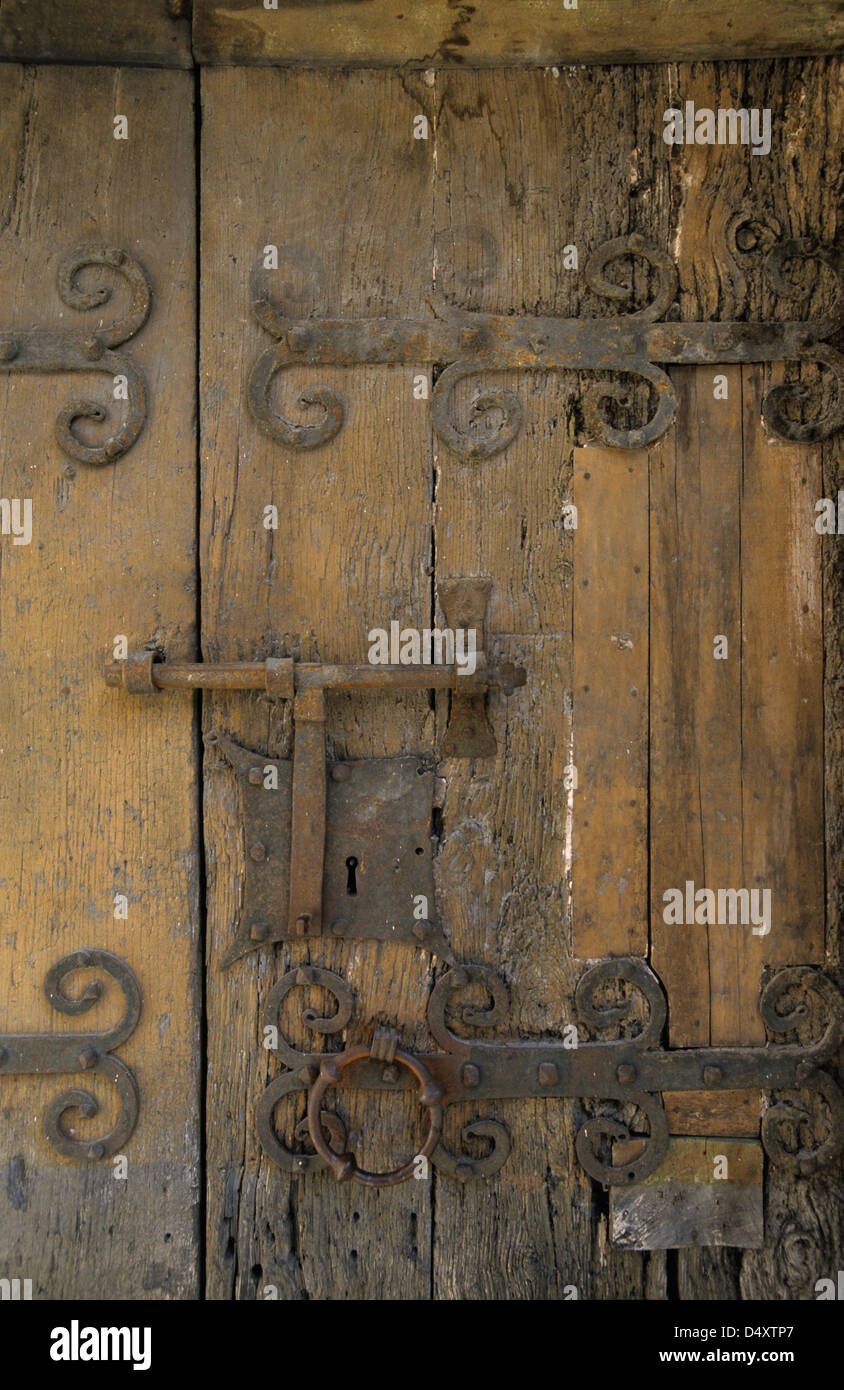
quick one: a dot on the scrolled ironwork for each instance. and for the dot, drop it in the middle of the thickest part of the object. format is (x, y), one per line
(639, 345)
(91, 1053)
(630, 1071)
(89, 350)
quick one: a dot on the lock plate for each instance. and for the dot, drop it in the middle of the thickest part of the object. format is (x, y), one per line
(378, 850)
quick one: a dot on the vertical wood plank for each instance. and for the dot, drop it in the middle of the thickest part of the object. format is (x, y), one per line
(99, 789)
(337, 182)
(782, 690)
(610, 714)
(695, 698)
(509, 197)
(792, 190)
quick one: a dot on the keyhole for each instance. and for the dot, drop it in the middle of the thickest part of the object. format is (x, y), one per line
(351, 882)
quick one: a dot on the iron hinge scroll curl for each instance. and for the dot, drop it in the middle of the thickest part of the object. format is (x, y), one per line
(467, 345)
(631, 1073)
(89, 1053)
(89, 350)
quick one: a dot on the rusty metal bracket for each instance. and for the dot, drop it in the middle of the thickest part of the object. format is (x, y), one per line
(88, 350)
(631, 1071)
(361, 879)
(305, 904)
(470, 344)
(51, 1053)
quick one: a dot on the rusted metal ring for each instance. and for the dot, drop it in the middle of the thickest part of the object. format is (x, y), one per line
(344, 1166)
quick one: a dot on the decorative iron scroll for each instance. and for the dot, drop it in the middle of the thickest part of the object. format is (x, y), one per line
(42, 1053)
(469, 345)
(88, 350)
(632, 1072)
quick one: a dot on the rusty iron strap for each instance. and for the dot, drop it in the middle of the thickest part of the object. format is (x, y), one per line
(469, 344)
(88, 350)
(632, 1071)
(307, 840)
(43, 1053)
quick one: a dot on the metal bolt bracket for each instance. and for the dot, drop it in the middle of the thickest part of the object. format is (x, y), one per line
(469, 345)
(469, 734)
(43, 1053)
(630, 1071)
(81, 350)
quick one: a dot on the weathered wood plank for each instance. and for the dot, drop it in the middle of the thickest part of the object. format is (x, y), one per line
(706, 1112)
(782, 692)
(99, 789)
(344, 191)
(510, 32)
(695, 698)
(610, 714)
(502, 180)
(96, 31)
(794, 190)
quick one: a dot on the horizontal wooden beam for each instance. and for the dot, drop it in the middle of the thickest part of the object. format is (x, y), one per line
(135, 33)
(531, 33)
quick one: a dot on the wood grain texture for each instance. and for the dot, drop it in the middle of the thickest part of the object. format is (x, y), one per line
(696, 755)
(706, 1192)
(99, 794)
(155, 33)
(338, 183)
(510, 32)
(509, 197)
(610, 716)
(795, 190)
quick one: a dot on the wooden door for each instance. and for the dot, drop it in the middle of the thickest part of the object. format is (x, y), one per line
(671, 602)
(100, 843)
(632, 760)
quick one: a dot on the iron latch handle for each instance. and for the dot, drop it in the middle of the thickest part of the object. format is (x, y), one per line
(468, 734)
(344, 1166)
(144, 672)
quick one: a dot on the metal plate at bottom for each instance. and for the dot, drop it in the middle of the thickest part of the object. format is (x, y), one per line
(705, 1192)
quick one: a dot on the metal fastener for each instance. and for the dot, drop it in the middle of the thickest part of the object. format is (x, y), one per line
(470, 1075)
(712, 1075)
(259, 931)
(548, 1074)
(257, 851)
(88, 1058)
(340, 773)
(255, 776)
(390, 1074)
(626, 1073)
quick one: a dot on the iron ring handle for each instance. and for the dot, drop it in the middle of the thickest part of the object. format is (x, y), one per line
(344, 1166)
